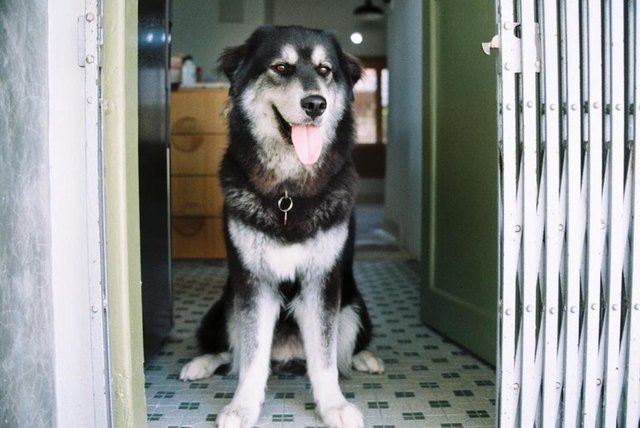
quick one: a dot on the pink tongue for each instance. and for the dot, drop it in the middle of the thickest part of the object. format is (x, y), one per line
(307, 140)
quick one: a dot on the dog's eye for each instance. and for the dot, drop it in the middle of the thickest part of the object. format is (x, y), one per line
(323, 70)
(282, 68)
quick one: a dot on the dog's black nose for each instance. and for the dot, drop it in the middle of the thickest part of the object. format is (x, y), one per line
(314, 105)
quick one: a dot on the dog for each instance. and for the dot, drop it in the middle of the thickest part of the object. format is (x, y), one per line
(288, 182)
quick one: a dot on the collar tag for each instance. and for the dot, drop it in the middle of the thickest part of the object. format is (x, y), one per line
(285, 203)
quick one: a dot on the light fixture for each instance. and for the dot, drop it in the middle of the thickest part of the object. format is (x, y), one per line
(356, 38)
(368, 12)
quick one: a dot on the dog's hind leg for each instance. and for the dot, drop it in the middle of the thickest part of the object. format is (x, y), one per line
(368, 362)
(251, 336)
(204, 366)
(355, 327)
(213, 342)
(350, 353)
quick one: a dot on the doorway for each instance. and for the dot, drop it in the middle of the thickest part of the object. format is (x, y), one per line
(429, 380)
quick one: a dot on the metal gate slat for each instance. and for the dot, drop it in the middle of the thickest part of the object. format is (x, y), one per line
(616, 213)
(529, 387)
(553, 239)
(624, 343)
(562, 247)
(592, 380)
(632, 381)
(510, 229)
(517, 367)
(539, 261)
(575, 213)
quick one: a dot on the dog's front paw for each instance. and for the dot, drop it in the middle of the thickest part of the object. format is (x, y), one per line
(235, 416)
(345, 415)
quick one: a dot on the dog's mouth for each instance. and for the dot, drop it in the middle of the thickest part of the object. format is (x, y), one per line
(305, 138)
(283, 125)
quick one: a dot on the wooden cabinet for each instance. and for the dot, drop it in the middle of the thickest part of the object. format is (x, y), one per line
(198, 142)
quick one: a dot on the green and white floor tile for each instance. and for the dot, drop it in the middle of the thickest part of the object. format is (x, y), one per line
(429, 382)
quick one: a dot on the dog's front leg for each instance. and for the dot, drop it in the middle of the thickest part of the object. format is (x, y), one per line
(316, 314)
(251, 337)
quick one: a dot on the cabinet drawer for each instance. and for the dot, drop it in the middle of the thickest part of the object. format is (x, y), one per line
(196, 196)
(197, 238)
(198, 111)
(197, 154)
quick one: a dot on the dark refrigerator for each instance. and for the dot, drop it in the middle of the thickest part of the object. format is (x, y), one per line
(153, 152)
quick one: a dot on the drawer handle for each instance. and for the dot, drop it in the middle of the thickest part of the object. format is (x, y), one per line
(191, 145)
(187, 124)
(188, 228)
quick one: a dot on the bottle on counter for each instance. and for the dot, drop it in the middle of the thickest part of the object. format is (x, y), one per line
(188, 71)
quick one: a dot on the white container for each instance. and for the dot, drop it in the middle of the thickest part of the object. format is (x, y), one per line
(188, 72)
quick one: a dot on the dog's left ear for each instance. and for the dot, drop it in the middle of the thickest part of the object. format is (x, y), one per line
(230, 61)
(354, 69)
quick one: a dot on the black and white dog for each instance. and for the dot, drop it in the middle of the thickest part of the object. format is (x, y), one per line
(288, 182)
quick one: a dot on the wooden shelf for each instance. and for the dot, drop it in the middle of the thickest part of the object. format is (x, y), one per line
(198, 142)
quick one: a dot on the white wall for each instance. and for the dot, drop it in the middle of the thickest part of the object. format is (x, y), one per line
(403, 189)
(335, 16)
(196, 28)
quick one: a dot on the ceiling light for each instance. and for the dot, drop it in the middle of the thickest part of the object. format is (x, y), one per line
(356, 38)
(368, 12)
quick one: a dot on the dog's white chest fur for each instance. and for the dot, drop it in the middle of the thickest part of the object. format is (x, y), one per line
(271, 260)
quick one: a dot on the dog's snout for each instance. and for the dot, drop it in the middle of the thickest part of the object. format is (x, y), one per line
(314, 105)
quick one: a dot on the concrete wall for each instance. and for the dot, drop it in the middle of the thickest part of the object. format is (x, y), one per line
(27, 391)
(403, 189)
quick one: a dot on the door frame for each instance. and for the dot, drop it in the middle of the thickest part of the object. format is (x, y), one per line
(122, 222)
(79, 321)
(93, 164)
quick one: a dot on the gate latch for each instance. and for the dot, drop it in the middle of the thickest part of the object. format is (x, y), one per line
(510, 46)
(493, 44)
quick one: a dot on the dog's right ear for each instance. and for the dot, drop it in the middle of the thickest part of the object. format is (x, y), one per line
(230, 61)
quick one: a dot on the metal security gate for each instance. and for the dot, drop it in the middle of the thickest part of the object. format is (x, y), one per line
(569, 301)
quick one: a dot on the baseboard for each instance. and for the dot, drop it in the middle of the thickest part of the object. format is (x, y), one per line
(392, 228)
(370, 198)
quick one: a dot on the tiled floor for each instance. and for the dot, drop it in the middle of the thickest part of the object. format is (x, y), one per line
(429, 382)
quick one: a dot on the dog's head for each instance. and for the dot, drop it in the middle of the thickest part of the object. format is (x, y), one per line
(294, 85)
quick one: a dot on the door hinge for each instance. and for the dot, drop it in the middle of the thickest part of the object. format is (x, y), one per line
(89, 51)
(510, 45)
